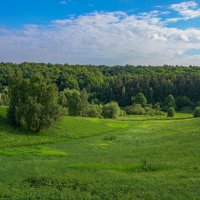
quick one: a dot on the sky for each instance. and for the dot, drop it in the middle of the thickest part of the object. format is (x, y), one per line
(100, 32)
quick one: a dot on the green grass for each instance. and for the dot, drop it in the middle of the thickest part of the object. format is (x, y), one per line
(133, 157)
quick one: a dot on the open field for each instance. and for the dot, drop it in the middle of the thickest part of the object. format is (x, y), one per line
(133, 157)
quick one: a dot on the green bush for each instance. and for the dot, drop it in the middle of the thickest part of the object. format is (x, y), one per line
(149, 111)
(196, 112)
(111, 110)
(94, 110)
(135, 109)
(171, 112)
(122, 113)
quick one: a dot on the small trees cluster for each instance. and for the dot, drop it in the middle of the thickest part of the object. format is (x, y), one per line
(76, 102)
(140, 107)
(33, 101)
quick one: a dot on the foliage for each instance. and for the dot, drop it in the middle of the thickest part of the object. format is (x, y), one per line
(135, 109)
(119, 83)
(33, 101)
(17, 97)
(196, 112)
(73, 100)
(140, 99)
(111, 110)
(171, 112)
(182, 102)
(94, 110)
(169, 102)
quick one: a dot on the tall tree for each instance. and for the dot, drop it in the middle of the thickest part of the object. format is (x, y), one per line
(16, 95)
(169, 102)
(41, 105)
(140, 99)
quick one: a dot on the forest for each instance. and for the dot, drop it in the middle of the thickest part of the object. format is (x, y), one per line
(118, 83)
(38, 94)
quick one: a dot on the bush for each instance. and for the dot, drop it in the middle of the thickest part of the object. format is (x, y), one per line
(94, 110)
(111, 110)
(149, 111)
(196, 112)
(123, 113)
(171, 112)
(135, 109)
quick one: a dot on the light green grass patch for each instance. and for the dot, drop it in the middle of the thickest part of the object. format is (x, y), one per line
(40, 151)
(101, 145)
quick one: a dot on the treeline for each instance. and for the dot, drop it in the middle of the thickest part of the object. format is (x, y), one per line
(105, 84)
(37, 94)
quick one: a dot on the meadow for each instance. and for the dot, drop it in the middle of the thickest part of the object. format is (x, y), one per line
(132, 157)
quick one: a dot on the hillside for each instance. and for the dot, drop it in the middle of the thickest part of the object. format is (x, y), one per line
(82, 158)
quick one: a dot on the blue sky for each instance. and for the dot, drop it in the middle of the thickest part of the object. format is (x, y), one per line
(107, 32)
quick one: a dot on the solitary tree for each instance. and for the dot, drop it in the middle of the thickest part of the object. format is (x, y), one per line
(33, 101)
(41, 105)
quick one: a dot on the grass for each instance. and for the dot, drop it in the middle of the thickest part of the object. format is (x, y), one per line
(133, 157)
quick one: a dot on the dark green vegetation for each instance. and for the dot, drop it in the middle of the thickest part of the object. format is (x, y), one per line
(105, 84)
(33, 101)
(132, 157)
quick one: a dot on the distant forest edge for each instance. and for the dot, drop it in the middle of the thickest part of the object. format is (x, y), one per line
(38, 94)
(119, 83)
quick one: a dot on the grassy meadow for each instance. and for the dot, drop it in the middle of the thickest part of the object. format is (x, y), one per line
(132, 157)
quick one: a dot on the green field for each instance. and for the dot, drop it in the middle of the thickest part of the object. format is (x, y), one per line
(133, 157)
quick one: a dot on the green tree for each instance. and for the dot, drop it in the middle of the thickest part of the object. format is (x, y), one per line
(140, 99)
(84, 102)
(169, 102)
(73, 102)
(111, 110)
(17, 97)
(196, 112)
(94, 110)
(40, 107)
(171, 112)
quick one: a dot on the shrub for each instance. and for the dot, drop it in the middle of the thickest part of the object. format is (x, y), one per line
(149, 111)
(122, 113)
(135, 109)
(94, 110)
(111, 110)
(171, 112)
(196, 112)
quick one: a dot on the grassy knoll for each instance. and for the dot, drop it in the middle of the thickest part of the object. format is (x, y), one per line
(134, 157)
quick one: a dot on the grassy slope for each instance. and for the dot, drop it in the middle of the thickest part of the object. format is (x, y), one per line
(83, 158)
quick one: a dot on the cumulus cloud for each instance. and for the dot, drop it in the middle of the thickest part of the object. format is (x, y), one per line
(188, 10)
(102, 38)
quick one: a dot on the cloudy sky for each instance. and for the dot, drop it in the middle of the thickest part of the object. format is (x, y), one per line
(111, 32)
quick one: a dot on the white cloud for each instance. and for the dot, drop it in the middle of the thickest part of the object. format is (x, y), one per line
(188, 10)
(102, 38)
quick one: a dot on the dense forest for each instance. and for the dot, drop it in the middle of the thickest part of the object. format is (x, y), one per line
(38, 93)
(118, 83)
